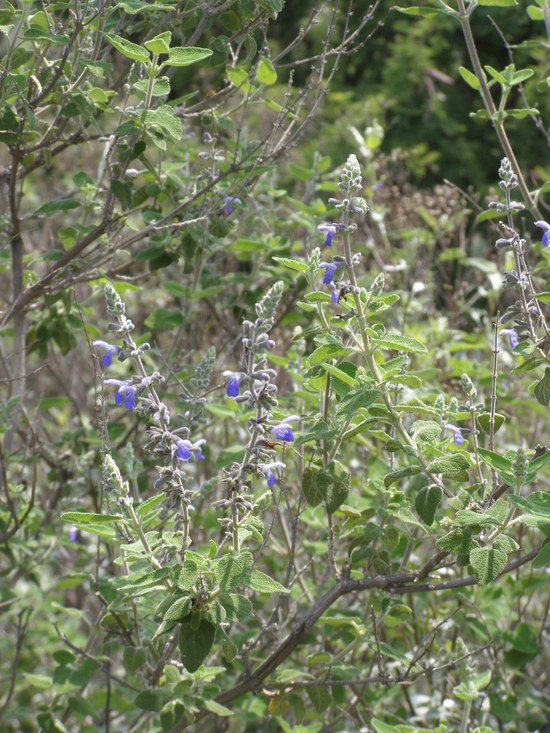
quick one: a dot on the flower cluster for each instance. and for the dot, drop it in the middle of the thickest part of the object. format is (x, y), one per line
(525, 314)
(254, 387)
(350, 183)
(173, 447)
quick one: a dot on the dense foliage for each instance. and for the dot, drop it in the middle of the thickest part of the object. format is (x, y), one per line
(275, 366)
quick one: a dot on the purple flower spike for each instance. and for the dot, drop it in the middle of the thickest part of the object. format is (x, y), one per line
(107, 358)
(546, 236)
(458, 438)
(283, 430)
(234, 383)
(126, 393)
(229, 200)
(330, 229)
(512, 335)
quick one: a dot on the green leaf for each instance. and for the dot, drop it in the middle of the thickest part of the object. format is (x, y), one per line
(497, 3)
(450, 466)
(262, 583)
(487, 564)
(99, 69)
(163, 118)
(542, 560)
(180, 56)
(499, 463)
(469, 78)
(427, 430)
(187, 575)
(265, 73)
(426, 12)
(340, 374)
(401, 473)
(314, 485)
(215, 707)
(542, 389)
(468, 518)
(237, 607)
(328, 351)
(195, 644)
(178, 610)
(320, 431)
(400, 343)
(36, 34)
(426, 503)
(239, 78)
(337, 490)
(521, 75)
(291, 264)
(381, 727)
(134, 658)
(457, 541)
(122, 192)
(528, 365)
(160, 43)
(535, 13)
(161, 86)
(59, 205)
(148, 700)
(40, 681)
(537, 463)
(150, 504)
(83, 519)
(363, 397)
(537, 503)
(127, 48)
(496, 75)
(231, 571)
(484, 421)
(320, 697)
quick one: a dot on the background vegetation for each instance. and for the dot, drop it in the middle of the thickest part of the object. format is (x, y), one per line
(251, 482)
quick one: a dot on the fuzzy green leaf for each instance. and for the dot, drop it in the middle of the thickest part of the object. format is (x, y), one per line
(127, 48)
(264, 584)
(231, 572)
(180, 56)
(426, 503)
(400, 343)
(195, 644)
(487, 563)
(265, 73)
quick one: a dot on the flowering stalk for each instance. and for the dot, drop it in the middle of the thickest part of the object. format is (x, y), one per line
(140, 394)
(256, 381)
(351, 182)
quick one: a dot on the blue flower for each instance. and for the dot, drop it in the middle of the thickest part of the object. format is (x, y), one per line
(229, 200)
(126, 393)
(330, 229)
(458, 438)
(183, 452)
(335, 295)
(186, 449)
(546, 236)
(73, 533)
(234, 383)
(107, 358)
(267, 470)
(282, 430)
(512, 334)
(330, 269)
